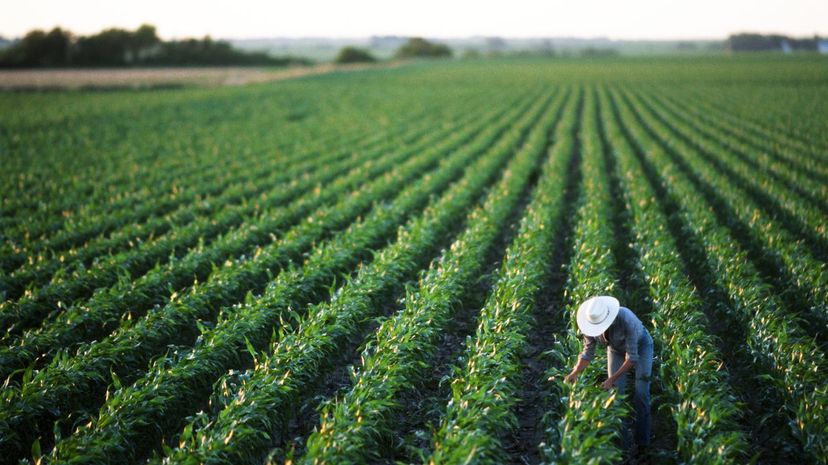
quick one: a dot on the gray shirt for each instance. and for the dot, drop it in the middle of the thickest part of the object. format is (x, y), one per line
(622, 336)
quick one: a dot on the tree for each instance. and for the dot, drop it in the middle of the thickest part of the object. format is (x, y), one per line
(354, 55)
(121, 47)
(417, 47)
(39, 49)
(116, 47)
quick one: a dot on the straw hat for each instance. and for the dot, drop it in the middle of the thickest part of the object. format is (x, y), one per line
(596, 314)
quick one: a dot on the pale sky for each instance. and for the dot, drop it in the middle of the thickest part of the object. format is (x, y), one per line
(617, 19)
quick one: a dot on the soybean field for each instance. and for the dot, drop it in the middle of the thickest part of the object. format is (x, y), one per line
(383, 266)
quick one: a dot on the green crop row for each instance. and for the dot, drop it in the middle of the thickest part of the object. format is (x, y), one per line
(178, 382)
(702, 404)
(159, 139)
(774, 336)
(204, 182)
(271, 183)
(353, 428)
(48, 395)
(484, 389)
(156, 197)
(801, 273)
(797, 174)
(107, 270)
(803, 220)
(163, 281)
(98, 316)
(586, 422)
(807, 148)
(299, 355)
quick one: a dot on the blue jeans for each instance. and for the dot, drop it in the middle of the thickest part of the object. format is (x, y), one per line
(641, 397)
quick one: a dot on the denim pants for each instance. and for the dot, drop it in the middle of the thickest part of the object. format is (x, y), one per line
(641, 397)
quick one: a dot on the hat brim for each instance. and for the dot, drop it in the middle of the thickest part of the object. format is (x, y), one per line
(591, 329)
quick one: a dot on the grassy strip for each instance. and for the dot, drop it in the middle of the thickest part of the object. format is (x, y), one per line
(586, 421)
(132, 418)
(353, 428)
(484, 390)
(702, 404)
(774, 336)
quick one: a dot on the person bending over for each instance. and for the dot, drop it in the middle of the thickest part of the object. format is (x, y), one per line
(602, 320)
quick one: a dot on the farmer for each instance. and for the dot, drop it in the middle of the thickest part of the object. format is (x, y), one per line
(629, 348)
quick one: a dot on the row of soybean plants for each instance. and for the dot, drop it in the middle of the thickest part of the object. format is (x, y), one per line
(162, 210)
(100, 314)
(701, 402)
(397, 358)
(127, 351)
(134, 417)
(106, 270)
(583, 422)
(248, 186)
(485, 388)
(788, 362)
(800, 268)
(799, 214)
(774, 155)
(248, 412)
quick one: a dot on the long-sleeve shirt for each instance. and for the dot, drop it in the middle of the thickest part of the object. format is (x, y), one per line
(622, 336)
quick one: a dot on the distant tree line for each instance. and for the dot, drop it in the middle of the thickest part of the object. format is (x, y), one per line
(354, 55)
(750, 42)
(415, 47)
(120, 48)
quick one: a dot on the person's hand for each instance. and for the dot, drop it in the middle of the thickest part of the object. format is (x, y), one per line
(607, 385)
(570, 378)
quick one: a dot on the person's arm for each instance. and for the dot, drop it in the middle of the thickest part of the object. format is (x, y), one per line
(579, 367)
(633, 330)
(625, 367)
(583, 359)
